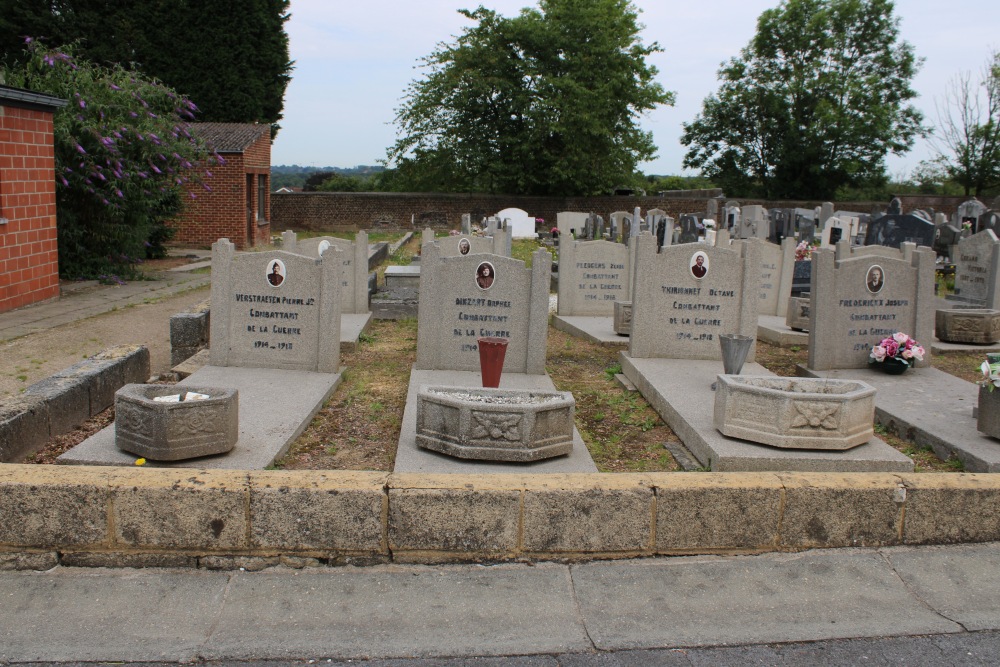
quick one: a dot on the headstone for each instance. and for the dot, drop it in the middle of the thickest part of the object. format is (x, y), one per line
(452, 246)
(653, 218)
(969, 211)
(627, 229)
(466, 224)
(731, 216)
(588, 229)
(977, 270)
(636, 222)
(599, 235)
(518, 223)
(861, 295)
(592, 276)
(753, 223)
(686, 295)
(895, 207)
(894, 229)
(807, 230)
(837, 229)
(712, 209)
(354, 254)
(275, 309)
(688, 229)
(617, 224)
(568, 221)
(782, 224)
(825, 213)
(466, 297)
(989, 220)
(777, 264)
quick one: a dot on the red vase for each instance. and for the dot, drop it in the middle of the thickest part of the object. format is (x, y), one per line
(491, 354)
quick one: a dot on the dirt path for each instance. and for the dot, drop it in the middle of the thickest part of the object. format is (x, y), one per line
(29, 359)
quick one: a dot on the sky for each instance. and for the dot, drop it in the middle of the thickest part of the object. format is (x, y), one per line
(354, 60)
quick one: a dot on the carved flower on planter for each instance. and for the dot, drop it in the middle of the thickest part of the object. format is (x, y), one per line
(816, 415)
(496, 426)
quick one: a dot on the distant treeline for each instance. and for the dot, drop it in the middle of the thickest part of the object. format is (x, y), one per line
(295, 176)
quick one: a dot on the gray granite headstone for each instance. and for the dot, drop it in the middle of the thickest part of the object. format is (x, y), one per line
(731, 216)
(977, 270)
(753, 223)
(275, 309)
(989, 220)
(592, 276)
(354, 254)
(452, 246)
(861, 295)
(681, 305)
(712, 209)
(570, 221)
(837, 229)
(467, 224)
(460, 301)
(776, 269)
(782, 224)
(617, 224)
(807, 230)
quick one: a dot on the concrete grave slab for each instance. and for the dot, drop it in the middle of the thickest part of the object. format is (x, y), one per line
(600, 330)
(275, 407)
(680, 390)
(411, 458)
(932, 408)
(402, 276)
(774, 330)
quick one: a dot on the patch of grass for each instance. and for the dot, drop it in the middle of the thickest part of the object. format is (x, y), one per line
(22, 378)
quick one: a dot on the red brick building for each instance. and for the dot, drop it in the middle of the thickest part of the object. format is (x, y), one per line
(238, 206)
(29, 251)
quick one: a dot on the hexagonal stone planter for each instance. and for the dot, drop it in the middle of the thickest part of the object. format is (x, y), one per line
(495, 424)
(172, 431)
(795, 413)
(622, 321)
(967, 325)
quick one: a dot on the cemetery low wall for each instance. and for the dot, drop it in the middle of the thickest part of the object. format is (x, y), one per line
(63, 401)
(128, 517)
(354, 211)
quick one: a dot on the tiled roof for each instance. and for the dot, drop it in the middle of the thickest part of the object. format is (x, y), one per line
(230, 137)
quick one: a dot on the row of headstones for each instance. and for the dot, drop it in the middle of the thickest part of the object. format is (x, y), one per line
(683, 298)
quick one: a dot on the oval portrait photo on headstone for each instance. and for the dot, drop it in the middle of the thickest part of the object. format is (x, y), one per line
(323, 246)
(464, 247)
(699, 264)
(875, 279)
(275, 272)
(485, 276)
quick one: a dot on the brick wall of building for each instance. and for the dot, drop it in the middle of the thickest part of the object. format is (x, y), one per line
(352, 211)
(29, 257)
(222, 211)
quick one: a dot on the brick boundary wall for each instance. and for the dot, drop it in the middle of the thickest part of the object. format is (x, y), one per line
(29, 252)
(354, 211)
(131, 517)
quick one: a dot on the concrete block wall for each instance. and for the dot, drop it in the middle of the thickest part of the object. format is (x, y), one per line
(29, 262)
(61, 402)
(222, 212)
(134, 517)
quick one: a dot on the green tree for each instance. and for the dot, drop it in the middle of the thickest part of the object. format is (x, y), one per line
(814, 103)
(123, 154)
(967, 133)
(230, 58)
(546, 102)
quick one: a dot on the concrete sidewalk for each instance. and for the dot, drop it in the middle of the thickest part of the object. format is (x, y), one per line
(395, 611)
(80, 300)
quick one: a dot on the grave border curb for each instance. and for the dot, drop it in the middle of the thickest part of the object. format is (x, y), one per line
(131, 517)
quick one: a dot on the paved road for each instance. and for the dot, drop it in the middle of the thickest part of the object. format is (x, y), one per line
(710, 609)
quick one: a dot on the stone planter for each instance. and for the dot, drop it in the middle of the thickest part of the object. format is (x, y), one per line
(175, 431)
(623, 318)
(495, 424)
(988, 415)
(967, 325)
(795, 413)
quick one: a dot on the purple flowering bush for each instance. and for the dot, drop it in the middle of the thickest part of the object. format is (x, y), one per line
(124, 153)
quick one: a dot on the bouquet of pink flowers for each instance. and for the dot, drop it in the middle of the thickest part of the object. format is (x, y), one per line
(898, 347)
(804, 251)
